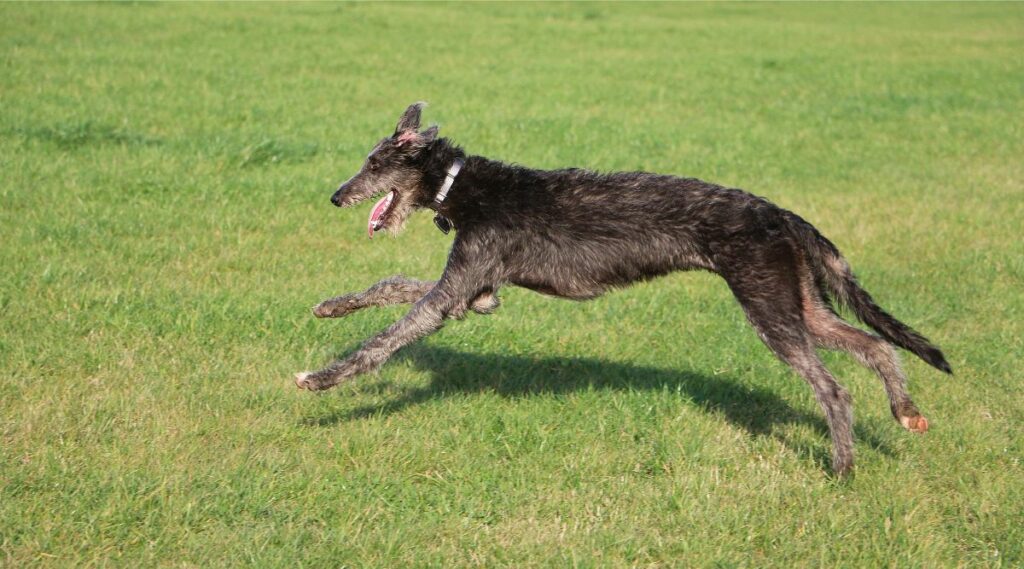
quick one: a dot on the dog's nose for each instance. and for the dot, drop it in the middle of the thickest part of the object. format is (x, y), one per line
(336, 198)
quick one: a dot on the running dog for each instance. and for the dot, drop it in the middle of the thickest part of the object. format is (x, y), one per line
(575, 234)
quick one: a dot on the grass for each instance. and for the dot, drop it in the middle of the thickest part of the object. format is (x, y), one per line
(165, 228)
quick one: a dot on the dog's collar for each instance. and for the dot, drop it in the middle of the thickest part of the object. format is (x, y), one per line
(449, 179)
(442, 222)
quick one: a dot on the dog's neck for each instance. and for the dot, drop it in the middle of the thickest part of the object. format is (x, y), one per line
(438, 164)
(449, 179)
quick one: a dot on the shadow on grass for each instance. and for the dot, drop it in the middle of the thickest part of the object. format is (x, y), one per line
(754, 409)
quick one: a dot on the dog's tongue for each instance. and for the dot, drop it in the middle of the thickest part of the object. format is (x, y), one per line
(378, 211)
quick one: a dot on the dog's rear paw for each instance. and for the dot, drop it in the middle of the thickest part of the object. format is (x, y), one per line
(915, 424)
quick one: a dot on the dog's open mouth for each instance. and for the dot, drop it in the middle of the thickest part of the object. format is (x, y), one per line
(379, 211)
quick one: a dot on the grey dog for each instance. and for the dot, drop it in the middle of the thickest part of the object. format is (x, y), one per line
(575, 234)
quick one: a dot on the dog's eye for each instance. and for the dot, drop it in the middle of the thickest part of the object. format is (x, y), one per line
(373, 164)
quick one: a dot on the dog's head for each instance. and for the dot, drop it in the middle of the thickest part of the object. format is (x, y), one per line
(394, 168)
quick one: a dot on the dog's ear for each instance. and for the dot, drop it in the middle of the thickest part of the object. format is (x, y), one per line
(430, 135)
(412, 140)
(410, 120)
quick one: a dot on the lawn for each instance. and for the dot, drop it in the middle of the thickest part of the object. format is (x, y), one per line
(165, 228)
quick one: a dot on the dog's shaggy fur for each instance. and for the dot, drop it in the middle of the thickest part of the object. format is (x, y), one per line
(575, 234)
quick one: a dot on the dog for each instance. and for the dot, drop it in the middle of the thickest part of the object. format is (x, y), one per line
(575, 234)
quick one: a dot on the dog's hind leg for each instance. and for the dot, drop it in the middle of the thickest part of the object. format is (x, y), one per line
(795, 348)
(768, 289)
(392, 290)
(833, 333)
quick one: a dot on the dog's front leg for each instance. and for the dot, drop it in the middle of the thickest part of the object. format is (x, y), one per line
(392, 290)
(426, 316)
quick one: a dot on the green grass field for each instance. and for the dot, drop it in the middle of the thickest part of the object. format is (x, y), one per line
(165, 228)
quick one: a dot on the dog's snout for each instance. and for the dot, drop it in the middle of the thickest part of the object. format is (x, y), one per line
(343, 191)
(338, 198)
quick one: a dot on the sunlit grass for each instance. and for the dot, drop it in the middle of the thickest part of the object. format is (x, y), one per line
(165, 228)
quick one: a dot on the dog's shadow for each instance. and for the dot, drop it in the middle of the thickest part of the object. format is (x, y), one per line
(754, 409)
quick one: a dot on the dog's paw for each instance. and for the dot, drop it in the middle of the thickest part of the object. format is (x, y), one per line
(915, 424)
(337, 307)
(305, 380)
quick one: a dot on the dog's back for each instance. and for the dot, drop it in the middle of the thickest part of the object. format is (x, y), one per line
(575, 233)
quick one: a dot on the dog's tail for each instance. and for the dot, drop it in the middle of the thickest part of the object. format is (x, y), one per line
(832, 272)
